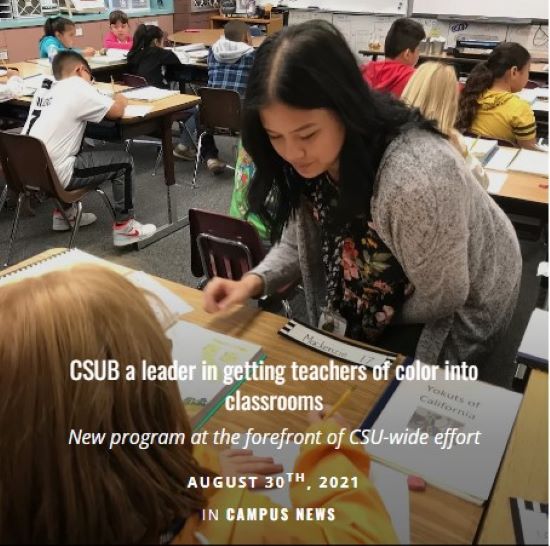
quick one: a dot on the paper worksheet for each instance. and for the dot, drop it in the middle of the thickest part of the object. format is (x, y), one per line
(391, 485)
(530, 161)
(502, 158)
(149, 93)
(496, 181)
(136, 111)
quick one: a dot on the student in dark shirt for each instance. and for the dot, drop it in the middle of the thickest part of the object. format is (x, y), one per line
(151, 61)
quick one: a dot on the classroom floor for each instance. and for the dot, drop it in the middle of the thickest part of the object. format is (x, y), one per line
(170, 257)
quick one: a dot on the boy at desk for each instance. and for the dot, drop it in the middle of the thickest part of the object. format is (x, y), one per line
(58, 116)
(229, 63)
(401, 50)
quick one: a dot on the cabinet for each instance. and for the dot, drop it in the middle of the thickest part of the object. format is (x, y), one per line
(187, 15)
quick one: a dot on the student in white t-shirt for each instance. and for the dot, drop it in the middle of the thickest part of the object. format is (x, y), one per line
(58, 117)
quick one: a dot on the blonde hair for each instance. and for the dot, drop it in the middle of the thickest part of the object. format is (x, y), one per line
(433, 89)
(54, 492)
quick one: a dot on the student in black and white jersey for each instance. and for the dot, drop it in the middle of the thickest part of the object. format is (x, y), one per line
(58, 117)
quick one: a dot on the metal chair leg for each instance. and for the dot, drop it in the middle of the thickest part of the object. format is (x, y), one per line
(183, 127)
(128, 145)
(157, 162)
(107, 202)
(3, 197)
(76, 223)
(14, 226)
(287, 308)
(197, 160)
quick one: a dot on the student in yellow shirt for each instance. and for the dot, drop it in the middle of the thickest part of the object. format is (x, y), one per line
(489, 106)
(59, 493)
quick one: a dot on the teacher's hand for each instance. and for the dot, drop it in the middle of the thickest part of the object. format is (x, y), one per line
(221, 294)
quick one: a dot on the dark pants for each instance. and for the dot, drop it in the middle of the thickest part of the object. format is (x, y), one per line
(116, 166)
(209, 149)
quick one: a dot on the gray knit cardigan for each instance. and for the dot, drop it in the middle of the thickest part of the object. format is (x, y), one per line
(456, 246)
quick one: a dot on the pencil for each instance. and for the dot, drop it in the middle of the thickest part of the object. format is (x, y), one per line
(341, 401)
(112, 85)
(474, 143)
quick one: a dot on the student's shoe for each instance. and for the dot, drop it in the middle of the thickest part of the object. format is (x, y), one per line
(59, 223)
(215, 165)
(131, 232)
(185, 153)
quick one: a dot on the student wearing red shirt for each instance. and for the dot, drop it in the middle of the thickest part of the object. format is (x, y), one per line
(118, 36)
(401, 55)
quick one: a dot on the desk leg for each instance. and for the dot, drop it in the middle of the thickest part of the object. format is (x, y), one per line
(174, 224)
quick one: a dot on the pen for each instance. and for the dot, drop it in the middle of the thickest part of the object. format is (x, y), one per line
(341, 400)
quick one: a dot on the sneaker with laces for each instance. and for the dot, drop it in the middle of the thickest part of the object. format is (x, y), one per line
(60, 224)
(215, 165)
(185, 153)
(131, 232)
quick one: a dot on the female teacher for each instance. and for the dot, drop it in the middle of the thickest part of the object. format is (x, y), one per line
(369, 205)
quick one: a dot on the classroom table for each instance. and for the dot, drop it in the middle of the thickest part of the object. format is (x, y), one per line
(95, 66)
(206, 36)
(158, 121)
(436, 516)
(524, 470)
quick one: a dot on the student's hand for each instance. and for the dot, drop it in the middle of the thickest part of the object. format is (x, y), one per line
(121, 99)
(221, 294)
(318, 416)
(117, 109)
(88, 52)
(243, 462)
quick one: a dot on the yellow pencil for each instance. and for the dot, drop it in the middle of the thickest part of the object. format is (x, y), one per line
(474, 143)
(341, 400)
(112, 85)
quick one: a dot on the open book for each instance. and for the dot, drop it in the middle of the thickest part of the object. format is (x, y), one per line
(149, 93)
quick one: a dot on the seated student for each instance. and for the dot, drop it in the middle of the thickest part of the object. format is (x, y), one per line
(401, 55)
(433, 89)
(59, 35)
(58, 116)
(488, 104)
(151, 61)
(126, 494)
(229, 63)
(119, 35)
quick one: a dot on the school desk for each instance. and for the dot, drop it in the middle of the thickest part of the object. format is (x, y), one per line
(524, 470)
(157, 122)
(436, 516)
(206, 36)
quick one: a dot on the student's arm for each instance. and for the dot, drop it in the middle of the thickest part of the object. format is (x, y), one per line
(117, 109)
(524, 125)
(168, 58)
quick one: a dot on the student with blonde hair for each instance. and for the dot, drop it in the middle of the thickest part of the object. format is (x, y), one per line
(433, 89)
(56, 492)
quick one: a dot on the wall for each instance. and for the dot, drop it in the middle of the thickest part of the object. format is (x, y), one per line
(22, 43)
(359, 30)
(185, 17)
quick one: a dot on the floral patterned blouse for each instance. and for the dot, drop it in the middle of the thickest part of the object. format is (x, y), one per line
(365, 283)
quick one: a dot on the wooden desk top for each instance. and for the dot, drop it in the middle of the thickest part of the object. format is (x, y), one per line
(95, 66)
(207, 36)
(524, 471)
(525, 187)
(436, 516)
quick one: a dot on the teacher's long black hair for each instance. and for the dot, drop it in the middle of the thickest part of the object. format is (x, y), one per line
(310, 66)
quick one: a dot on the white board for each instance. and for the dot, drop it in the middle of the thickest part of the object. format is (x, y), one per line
(503, 9)
(391, 7)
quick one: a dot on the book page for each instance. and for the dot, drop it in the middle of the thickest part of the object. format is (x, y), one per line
(502, 158)
(149, 93)
(136, 111)
(529, 161)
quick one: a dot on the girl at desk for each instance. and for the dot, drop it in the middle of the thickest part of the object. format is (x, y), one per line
(489, 106)
(369, 205)
(118, 36)
(59, 35)
(70, 493)
(158, 66)
(433, 89)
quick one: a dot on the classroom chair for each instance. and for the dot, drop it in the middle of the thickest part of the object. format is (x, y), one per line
(220, 113)
(131, 80)
(223, 246)
(37, 176)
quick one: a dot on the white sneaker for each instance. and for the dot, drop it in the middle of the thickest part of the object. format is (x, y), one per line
(131, 232)
(215, 165)
(185, 153)
(60, 224)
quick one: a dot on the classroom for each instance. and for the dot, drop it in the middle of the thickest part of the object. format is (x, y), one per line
(295, 236)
